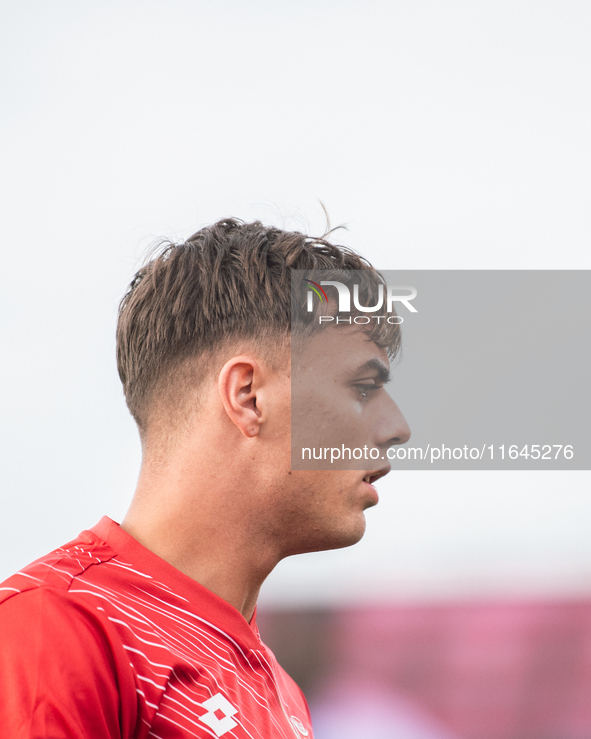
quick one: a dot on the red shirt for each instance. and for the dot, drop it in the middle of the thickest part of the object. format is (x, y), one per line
(102, 639)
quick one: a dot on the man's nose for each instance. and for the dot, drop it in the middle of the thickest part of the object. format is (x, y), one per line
(393, 428)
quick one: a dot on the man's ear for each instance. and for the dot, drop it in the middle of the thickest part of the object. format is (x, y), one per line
(237, 385)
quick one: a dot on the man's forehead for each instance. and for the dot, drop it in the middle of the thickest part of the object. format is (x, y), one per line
(344, 347)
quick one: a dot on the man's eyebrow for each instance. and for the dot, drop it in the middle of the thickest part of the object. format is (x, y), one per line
(372, 365)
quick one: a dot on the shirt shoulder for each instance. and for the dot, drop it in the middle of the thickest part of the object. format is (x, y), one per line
(61, 672)
(59, 568)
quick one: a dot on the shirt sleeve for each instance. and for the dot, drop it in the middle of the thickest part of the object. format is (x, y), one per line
(60, 677)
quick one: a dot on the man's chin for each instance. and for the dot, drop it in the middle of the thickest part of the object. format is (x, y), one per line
(337, 540)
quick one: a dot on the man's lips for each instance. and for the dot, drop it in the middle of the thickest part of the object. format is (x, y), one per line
(371, 477)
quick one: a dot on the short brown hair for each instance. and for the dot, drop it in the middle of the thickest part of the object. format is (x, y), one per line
(228, 281)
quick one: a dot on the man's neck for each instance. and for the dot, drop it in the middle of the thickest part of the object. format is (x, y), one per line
(210, 536)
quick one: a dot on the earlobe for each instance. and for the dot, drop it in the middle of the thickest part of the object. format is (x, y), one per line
(237, 384)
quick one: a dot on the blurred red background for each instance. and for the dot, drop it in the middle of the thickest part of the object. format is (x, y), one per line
(475, 670)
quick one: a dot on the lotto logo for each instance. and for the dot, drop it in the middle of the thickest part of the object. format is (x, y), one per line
(299, 725)
(216, 705)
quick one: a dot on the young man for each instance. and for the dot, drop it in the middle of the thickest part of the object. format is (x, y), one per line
(148, 629)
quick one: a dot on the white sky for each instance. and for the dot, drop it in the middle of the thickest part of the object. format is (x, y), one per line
(445, 134)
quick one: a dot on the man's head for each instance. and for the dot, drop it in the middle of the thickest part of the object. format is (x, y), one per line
(203, 349)
(227, 286)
